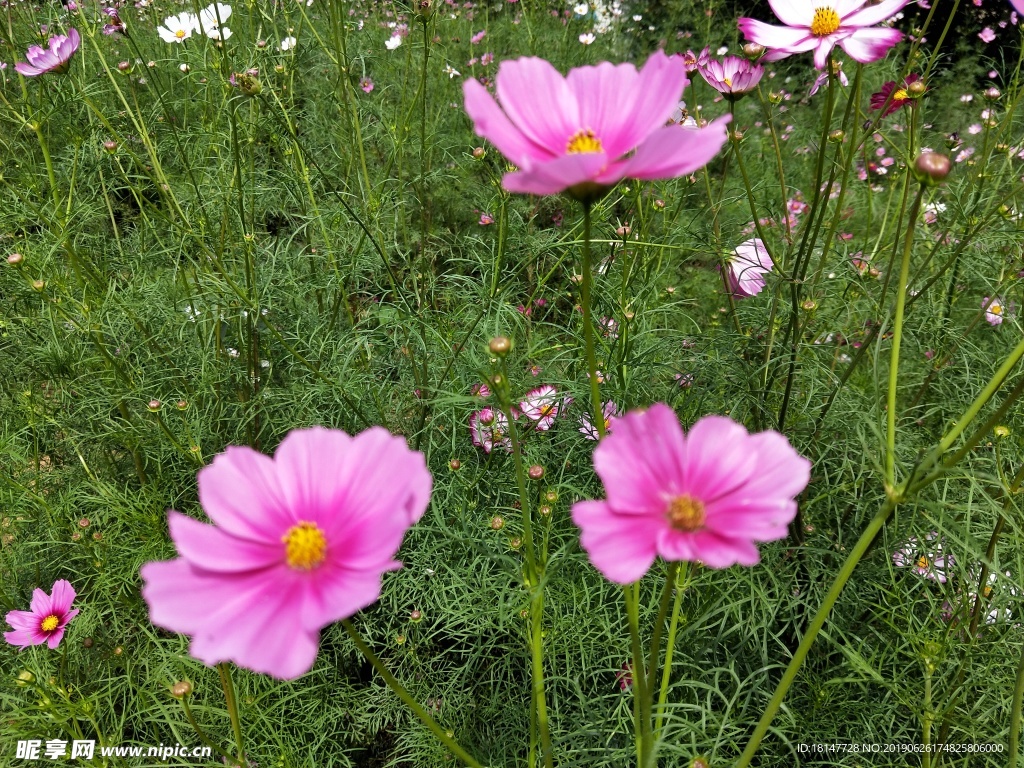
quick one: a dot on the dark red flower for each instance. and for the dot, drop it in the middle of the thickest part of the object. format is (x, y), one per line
(893, 96)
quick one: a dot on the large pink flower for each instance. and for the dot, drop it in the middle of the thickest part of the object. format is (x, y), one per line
(298, 542)
(819, 26)
(55, 58)
(46, 620)
(706, 496)
(587, 131)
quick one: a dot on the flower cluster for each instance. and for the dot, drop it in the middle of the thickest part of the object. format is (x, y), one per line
(210, 21)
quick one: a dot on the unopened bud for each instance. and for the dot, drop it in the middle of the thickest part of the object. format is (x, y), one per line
(123, 66)
(415, 616)
(15, 259)
(736, 135)
(110, 147)
(248, 84)
(774, 97)
(536, 472)
(551, 497)
(25, 677)
(154, 405)
(181, 689)
(753, 51)
(88, 642)
(837, 136)
(38, 284)
(497, 523)
(916, 89)
(931, 167)
(454, 465)
(544, 510)
(500, 346)
(478, 152)
(992, 94)
(181, 405)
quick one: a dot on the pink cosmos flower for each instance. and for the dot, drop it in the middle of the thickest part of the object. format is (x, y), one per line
(747, 267)
(46, 620)
(732, 76)
(299, 541)
(366, 84)
(57, 57)
(995, 312)
(929, 561)
(1018, 5)
(707, 496)
(541, 405)
(585, 132)
(610, 411)
(820, 26)
(489, 430)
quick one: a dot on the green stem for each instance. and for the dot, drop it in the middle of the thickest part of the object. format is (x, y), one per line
(641, 698)
(405, 696)
(588, 329)
(201, 733)
(666, 673)
(232, 703)
(1018, 696)
(897, 337)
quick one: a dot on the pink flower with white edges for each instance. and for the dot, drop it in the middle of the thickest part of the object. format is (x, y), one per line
(47, 619)
(747, 267)
(927, 559)
(610, 412)
(299, 541)
(489, 430)
(706, 496)
(820, 26)
(56, 57)
(585, 132)
(541, 405)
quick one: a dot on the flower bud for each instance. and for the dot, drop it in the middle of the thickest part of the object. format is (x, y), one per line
(544, 510)
(88, 642)
(753, 51)
(154, 405)
(416, 616)
(38, 285)
(500, 346)
(15, 259)
(110, 147)
(837, 136)
(992, 94)
(181, 689)
(931, 167)
(916, 89)
(248, 84)
(478, 153)
(1002, 431)
(551, 496)
(774, 97)
(536, 472)
(515, 543)
(25, 677)
(497, 523)
(454, 465)
(123, 66)
(424, 8)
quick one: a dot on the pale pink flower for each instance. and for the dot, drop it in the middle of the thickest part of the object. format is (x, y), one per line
(820, 26)
(995, 312)
(609, 411)
(541, 405)
(987, 35)
(45, 622)
(55, 58)
(366, 84)
(732, 76)
(708, 496)
(927, 560)
(747, 267)
(489, 430)
(299, 541)
(585, 132)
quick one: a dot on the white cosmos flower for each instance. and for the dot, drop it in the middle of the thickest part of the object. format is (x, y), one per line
(288, 43)
(581, 9)
(218, 33)
(451, 71)
(393, 42)
(213, 16)
(177, 29)
(588, 38)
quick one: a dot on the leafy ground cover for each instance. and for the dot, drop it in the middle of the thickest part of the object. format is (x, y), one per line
(224, 224)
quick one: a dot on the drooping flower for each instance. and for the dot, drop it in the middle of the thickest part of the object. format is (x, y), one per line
(585, 132)
(820, 26)
(893, 96)
(694, 61)
(489, 430)
(732, 76)
(55, 58)
(705, 496)
(541, 405)
(299, 541)
(747, 267)
(610, 412)
(45, 622)
(928, 559)
(177, 29)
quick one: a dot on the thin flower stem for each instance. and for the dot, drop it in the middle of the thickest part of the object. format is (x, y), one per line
(655, 649)
(406, 697)
(232, 704)
(201, 733)
(682, 577)
(1018, 696)
(641, 700)
(779, 166)
(927, 715)
(588, 328)
(897, 337)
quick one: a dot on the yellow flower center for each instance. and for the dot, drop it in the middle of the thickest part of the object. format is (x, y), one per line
(987, 591)
(545, 410)
(180, 34)
(49, 623)
(686, 514)
(995, 309)
(305, 546)
(900, 95)
(584, 143)
(727, 81)
(825, 22)
(922, 562)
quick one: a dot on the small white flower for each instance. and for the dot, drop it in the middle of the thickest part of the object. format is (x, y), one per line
(218, 33)
(288, 43)
(581, 9)
(723, 50)
(588, 38)
(451, 72)
(393, 42)
(177, 29)
(184, 67)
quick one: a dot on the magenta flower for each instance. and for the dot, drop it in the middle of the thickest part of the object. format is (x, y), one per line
(45, 622)
(585, 132)
(610, 413)
(820, 26)
(541, 405)
(56, 58)
(299, 541)
(732, 76)
(707, 496)
(747, 267)
(894, 96)
(489, 429)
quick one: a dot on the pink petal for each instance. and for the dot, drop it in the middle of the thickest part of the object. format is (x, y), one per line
(539, 102)
(340, 592)
(709, 547)
(240, 492)
(675, 151)
(781, 471)
(23, 638)
(23, 619)
(558, 175)
(868, 45)
(41, 604)
(214, 549)
(788, 39)
(823, 49)
(63, 594)
(493, 124)
(621, 547)
(718, 460)
(55, 637)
